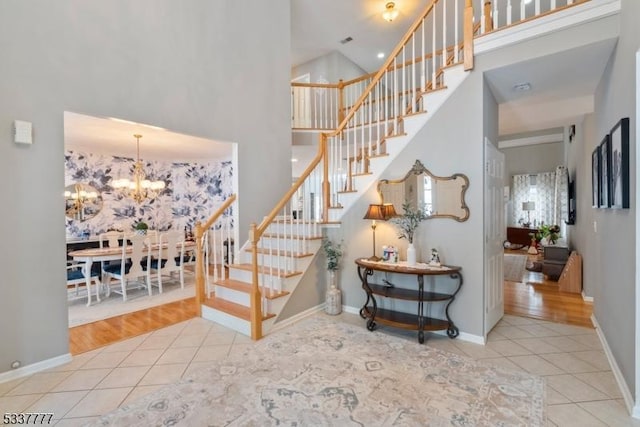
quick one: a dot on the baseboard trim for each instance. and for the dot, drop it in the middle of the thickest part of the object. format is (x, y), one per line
(586, 298)
(476, 339)
(296, 318)
(624, 389)
(35, 367)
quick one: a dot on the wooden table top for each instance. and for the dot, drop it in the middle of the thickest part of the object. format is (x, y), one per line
(402, 267)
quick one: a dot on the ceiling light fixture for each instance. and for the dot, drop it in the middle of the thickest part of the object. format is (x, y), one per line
(139, 187)
(527, 1)
(522, 87)
(390, 12)
(381, 55)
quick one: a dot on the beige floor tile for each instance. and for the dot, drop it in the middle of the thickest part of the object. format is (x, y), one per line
(536, 365)
(142, 357)
(197, 326)
(539, 331)
(569, 363)
(565, 329)
(610, 412)
(173, 330)
(602, 381)
(596, 358)
(565, 344)
(508, 348)
(554, 397)
(590, 341)
(124, 377)
(76, 422)
(517, 320)
(574, 389)
(571, 415)
(177, 355)
(107, 359)
(157, 342)
(476, 351)
(495, 336)
(10, 385)
(58, 403)
(18, 403)
(82, 380)
(188, 341)
(219, 338)
(163, 374)
(139, 392)
(211, 353)
(537, 345)
(99, 402)
(77, 362)
(512, 332)
(242, 339)
(39, 383)
(126, 345)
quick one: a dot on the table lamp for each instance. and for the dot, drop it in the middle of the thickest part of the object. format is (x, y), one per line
(528, 207)
(379, 213)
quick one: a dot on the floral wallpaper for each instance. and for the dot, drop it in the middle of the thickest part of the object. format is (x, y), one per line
(193, 191)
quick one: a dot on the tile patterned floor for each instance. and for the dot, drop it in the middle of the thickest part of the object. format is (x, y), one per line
(581, 389)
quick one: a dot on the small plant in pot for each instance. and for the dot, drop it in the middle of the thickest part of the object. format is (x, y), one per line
(141, 227)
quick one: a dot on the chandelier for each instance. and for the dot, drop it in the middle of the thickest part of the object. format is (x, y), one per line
(139, 187)
(390, 13)
(77, 200)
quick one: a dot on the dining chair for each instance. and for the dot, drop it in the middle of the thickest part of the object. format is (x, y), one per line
(170, 258)
(109, 239)
(77, 279)
(133, 266)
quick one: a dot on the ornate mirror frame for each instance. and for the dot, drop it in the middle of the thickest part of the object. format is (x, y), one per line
(418, 169)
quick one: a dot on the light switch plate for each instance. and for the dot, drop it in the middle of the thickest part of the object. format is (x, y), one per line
(22, 132)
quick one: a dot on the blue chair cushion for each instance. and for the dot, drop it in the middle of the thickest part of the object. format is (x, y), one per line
(77, 274)
(117, 268)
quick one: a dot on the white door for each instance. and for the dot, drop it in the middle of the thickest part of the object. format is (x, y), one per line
(494, 234)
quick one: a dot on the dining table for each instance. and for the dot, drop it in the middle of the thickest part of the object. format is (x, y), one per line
(90, 255)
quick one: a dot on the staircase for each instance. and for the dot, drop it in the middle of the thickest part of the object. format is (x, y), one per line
(426, 67)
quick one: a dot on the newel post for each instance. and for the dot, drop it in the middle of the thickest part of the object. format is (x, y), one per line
(326, 185)
(254, 297)
(199, 268)
(488, 21)
(468, 36)
(340, 102)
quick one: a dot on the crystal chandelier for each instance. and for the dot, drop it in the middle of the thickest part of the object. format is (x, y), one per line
(139, 187)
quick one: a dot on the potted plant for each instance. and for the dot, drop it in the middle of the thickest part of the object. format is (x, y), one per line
(333, 252)
(141, 227)
(407, 225)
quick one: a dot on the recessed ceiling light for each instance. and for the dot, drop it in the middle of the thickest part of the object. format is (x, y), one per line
(522, 87)
(527, 1)
(381, 55)
(294, 160)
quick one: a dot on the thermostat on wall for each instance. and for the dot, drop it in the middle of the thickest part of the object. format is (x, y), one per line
(22, 132)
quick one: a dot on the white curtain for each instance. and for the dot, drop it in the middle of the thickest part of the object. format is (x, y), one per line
(548, 190)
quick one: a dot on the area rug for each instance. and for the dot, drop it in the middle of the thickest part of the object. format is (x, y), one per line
(137, 299)
(321, 372)
(514, 267)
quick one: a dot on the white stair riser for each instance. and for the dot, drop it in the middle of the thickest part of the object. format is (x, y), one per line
(295, 245)
(276, 261)
(247, 277)
(237, 297)
(224, 319)
(297, 229)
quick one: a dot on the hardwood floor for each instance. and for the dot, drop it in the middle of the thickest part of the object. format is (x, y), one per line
(538, 298)
(97, 334)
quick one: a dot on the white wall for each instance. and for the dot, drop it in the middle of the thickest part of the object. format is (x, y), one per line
(199, 67)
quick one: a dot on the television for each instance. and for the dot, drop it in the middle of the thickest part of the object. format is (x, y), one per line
(571, 196)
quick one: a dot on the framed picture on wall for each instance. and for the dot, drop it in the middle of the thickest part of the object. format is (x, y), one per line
(605, 168)
(595, 177)
(619, 175)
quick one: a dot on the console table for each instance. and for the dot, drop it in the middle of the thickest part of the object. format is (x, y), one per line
(418, 321)
(519, 236)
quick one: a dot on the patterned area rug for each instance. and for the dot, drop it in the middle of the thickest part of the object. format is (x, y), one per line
(321, 372)
(514, 267)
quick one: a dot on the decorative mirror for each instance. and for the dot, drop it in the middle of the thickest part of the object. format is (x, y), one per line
(440, 197)
(82, 201)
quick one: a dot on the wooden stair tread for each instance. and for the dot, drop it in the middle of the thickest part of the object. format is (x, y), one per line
(362, 174)
(236, 310)
(347, 191)
(245, 287)
(292, 236)
(266, 270)
(395, 135)
(280, 252)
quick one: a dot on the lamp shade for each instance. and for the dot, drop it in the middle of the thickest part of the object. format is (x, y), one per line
(528, 206)
(375, 212)
(388, 211)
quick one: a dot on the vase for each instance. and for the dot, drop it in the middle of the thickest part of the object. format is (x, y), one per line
(333, 300)
(411, 255)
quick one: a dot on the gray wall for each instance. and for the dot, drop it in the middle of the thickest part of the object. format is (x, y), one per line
(189, 66)
(533, 158)
(331, 67)
(614, 286)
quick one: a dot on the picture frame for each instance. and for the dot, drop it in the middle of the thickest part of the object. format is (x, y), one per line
(619, 175)
(605, 168)
(595, 177)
